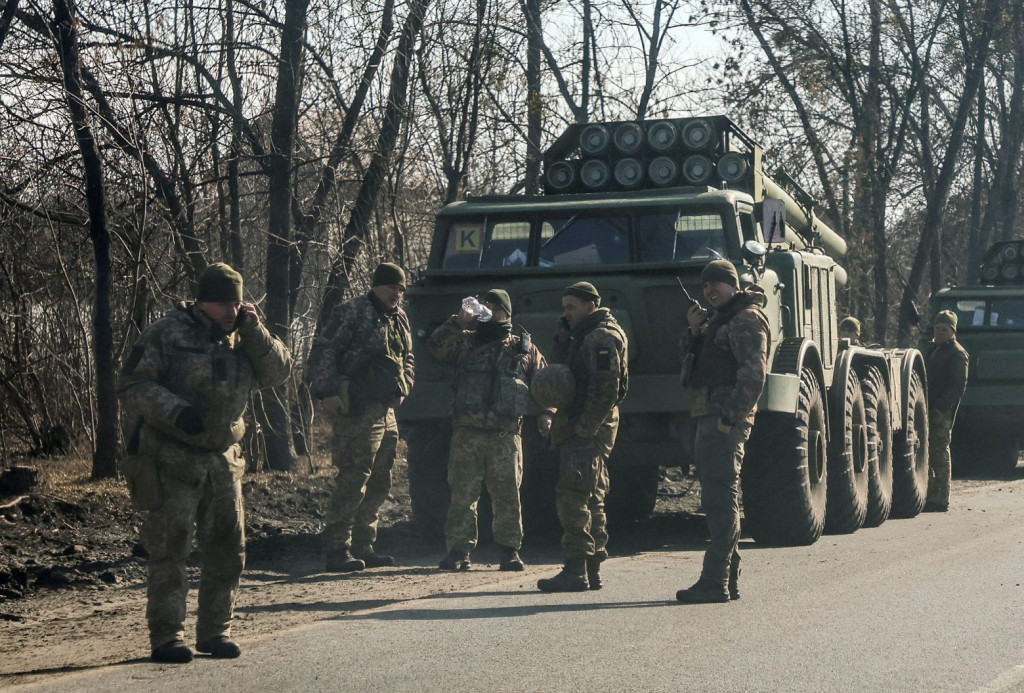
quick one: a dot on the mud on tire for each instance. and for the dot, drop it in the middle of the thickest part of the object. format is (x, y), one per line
(784, 473)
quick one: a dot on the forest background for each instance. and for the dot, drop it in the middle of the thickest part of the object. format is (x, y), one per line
(303, 142)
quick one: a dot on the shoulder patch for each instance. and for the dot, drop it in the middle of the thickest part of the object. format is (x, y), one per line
(604, 359)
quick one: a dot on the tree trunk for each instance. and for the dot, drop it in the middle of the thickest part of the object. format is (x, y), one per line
(277, 424)
(104, 461)
(534, 104)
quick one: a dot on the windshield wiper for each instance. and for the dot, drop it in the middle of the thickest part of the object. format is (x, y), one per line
(559, 230)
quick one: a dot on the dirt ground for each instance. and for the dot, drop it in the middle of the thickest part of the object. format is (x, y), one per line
(72, 590)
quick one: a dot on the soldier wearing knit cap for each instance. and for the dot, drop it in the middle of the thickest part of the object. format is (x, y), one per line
(946, 364)
(596, 351)
(493, 367)
(729, 348)
(849, 328)
(360, 369)
(184, 389)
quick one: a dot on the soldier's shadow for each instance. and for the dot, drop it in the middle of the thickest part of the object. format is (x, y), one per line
(497, 612)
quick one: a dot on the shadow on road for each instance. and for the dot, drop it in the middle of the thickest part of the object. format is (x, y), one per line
(498, 611)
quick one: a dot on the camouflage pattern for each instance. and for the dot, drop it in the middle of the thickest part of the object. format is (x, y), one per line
(725, 382)
(180, 361)
(494, 459)
(946, 365)
(940, 429)
(719, 458)
(491, 397)
(597, 355)
(360, 335)
(733, 344)
(553, 386)
(363, 449)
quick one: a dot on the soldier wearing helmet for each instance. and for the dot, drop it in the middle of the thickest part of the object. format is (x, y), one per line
(596, 353)
(946, 365)
(493, 367)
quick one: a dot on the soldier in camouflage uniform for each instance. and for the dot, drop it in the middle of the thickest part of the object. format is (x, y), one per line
(184, 388)
(946, 365)
(360, 369)
(597, 353)
(730, 349)
(492, 370)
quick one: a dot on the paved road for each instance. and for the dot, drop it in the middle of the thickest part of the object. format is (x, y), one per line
(930, 604)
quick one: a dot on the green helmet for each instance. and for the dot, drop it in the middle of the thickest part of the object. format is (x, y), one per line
(553, 386)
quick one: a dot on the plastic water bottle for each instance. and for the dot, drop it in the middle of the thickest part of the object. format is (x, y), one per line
(482, 312)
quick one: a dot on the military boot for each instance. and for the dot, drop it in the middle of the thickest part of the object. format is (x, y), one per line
(510, 559)
(734, 577)
(573, 578)
(341, 560)
(373, 559)
(173, 652)
(703, 592)
(455, 561)
(219, 647)
(594, 570)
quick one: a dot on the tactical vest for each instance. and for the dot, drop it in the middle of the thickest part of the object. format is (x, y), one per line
(491, 384)
(582, 375)
(716, 366)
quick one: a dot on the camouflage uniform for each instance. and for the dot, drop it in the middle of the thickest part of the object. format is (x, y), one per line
(585, 431)
(365, 351)
(726, 379)
(946, 365)
(183, 361)
(491, 397)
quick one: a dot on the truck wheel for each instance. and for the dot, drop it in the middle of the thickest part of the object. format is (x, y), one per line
(784, 474)
(540, 474)
(847, 504)
(876, 417)
(910, 455)
(429, 443)
(632, 492)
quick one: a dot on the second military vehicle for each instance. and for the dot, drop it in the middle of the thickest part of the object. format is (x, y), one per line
(635, 208)
(989, 428)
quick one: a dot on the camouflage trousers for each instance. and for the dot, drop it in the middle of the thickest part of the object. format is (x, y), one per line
(940, 429)
(581, 490)
(495, 459)
(202, 494)
(719, 457)
(363, 449)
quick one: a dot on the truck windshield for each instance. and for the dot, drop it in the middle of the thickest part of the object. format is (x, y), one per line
(998, 313)
(570, 239)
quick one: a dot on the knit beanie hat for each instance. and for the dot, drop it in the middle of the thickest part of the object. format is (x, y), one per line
(219, 283)
(948, 317)
(720, 271)
(500, 297)
(584, 291)
(852, 324)
(388, 273)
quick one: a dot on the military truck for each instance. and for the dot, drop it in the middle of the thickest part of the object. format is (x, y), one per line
(990, 325)
(638, 208)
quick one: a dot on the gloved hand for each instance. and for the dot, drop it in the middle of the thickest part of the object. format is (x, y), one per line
(190, 422)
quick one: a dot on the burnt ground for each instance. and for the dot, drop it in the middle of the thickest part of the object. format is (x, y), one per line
(72, 576)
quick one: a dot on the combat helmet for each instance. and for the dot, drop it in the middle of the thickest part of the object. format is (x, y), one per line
(553, 386)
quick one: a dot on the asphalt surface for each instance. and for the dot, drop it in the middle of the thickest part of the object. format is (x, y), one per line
(929, 604)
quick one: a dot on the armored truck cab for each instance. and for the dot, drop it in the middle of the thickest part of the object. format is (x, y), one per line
(637, 209)
(989, 428)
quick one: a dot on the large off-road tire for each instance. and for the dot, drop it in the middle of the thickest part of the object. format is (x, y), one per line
(540, 474)
(910, 455)
(429, 443)
(632, 493)
(847, 504)
(784, 472)
(876, 415)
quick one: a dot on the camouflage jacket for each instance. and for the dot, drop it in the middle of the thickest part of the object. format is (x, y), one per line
(181, 361)
(492, 379)
(360, 338)
(597, 355)
(731, 360)
(946, 365)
